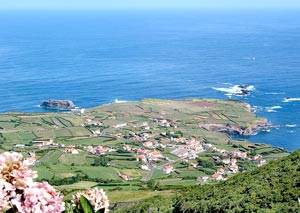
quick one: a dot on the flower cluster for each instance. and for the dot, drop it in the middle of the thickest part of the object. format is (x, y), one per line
(96, 197)
(19, 192)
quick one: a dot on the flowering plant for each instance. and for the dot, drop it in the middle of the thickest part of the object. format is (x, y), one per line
(94, 200)
(18, 191)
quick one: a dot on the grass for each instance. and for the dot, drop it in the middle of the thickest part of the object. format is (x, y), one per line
(157, 174)
(84, 141)
(84, 185)
(171, 157)
(77, 160)
(49, 133)
(79, 131)
(177, 182)
(189, 173)
(7, 124)
(27, 136)
(52, 158)
(266, 149)
(100, 172)
(132, 196)
(44, 173)
(125, 164)
(12, 137)
(133, 172)
(64, 132)
(276, 156)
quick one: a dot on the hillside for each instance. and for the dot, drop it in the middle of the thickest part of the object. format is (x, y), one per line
(274, 187)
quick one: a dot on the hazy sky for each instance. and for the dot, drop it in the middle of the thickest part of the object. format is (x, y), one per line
(141, 4)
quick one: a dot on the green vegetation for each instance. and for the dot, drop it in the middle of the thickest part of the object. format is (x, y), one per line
(274, 187)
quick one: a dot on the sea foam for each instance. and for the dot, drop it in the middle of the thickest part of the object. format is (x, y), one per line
(291, 99)
(236, 90)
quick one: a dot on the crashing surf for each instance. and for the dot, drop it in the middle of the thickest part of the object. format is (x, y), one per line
(236, 90)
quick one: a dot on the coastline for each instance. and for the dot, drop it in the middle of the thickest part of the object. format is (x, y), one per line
(173, 142)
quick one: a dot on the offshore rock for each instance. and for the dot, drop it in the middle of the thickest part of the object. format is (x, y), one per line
(58, 104)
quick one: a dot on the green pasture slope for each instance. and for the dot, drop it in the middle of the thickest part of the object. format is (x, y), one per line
(274, 187)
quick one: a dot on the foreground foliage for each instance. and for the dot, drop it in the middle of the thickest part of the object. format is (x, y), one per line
(20, 193)
(271, 188)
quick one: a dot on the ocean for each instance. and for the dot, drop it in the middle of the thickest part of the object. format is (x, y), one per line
(95, 57)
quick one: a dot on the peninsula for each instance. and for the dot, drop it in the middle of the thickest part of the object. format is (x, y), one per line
(136, 146)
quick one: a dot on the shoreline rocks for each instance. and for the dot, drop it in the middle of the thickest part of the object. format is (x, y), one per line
(58, 104)
(234, 129)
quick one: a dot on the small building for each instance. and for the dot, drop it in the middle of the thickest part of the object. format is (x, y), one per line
(142, 158)
(77, 111)
(233, 168)
(71, 150)
(194, 164)
(168, 169)
(124, 177)
(220, 171)
(145, 167)
(233, 160)
(217, 176)
(226, 161)
(202, 180)
(118, 126)
(155, 155)
(262, 162)
(148, 144)
(180, 153)
(256, 157)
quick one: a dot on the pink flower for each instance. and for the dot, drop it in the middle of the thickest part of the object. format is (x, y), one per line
(19, 191)
(97, 198)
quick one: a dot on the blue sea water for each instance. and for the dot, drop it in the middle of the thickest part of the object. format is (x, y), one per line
(95, 57)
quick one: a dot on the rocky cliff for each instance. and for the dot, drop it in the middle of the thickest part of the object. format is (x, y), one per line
(252, 129)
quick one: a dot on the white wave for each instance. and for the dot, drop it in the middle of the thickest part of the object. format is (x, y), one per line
(276, 107)
(266, 109)
(117, 101)
(275, 93)
(273, 108)
(237, 90)
(291, 99)
(250, 58)
(290, 125)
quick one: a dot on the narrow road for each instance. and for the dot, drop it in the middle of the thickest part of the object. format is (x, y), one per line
(42, 158)
(175, 161)
(152, 168)
(149, 174)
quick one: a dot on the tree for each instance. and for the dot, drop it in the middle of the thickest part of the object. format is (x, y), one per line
(100, 161)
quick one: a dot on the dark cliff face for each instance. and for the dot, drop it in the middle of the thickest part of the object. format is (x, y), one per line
(255, 127)
(58, 104)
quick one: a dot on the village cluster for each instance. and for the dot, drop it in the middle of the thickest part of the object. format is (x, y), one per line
(148, 152)
(185, 149)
